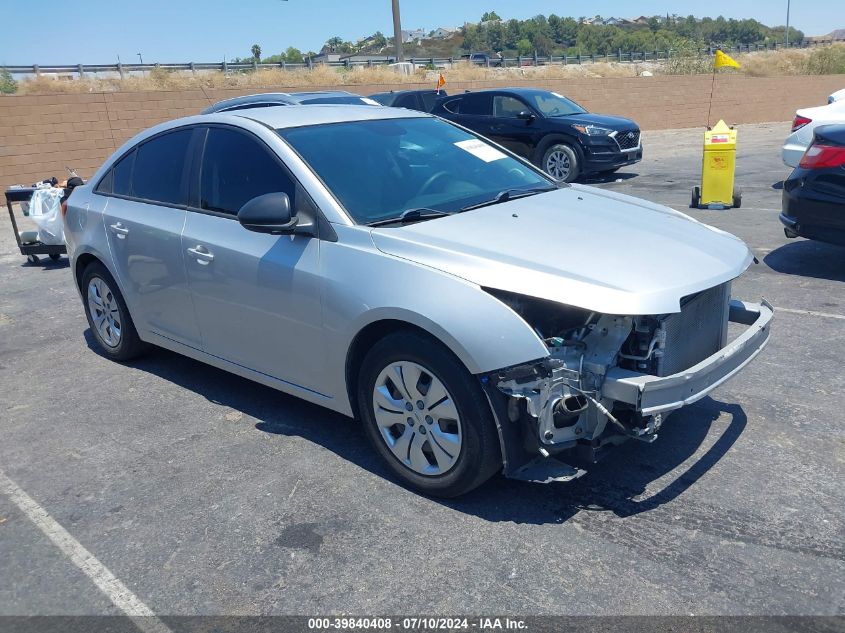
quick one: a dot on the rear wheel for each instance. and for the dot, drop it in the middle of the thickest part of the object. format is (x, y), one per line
(427, 416)
(108, 316)
(737, 199)
(561, 163)
(696, 197)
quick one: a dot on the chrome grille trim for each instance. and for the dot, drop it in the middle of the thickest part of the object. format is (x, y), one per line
(627, 140)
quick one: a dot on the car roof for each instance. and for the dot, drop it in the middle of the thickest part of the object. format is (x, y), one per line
(288, 98)
(323, 93)
(298, 116)
(520, 91)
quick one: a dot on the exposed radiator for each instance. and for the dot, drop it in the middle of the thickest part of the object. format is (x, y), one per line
(699, 330)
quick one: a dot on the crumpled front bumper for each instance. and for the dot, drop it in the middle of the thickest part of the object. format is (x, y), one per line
(661, 394)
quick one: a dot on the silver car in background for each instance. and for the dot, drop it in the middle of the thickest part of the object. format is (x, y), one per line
(476, 316)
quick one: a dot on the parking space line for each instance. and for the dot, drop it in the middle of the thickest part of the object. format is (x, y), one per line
(826, 315)
(107, 582)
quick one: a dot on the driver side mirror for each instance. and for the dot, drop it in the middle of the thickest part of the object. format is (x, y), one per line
(526, 116)
(270, 213)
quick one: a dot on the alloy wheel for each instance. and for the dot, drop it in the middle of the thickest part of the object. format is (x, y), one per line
(417, 418)
(558, 165)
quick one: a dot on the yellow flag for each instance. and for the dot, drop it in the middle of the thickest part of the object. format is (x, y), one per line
(724, 60)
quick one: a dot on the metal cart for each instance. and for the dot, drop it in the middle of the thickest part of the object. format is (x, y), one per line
(31, 249)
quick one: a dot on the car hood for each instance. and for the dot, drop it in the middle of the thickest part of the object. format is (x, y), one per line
(581, 246)
(603, 120)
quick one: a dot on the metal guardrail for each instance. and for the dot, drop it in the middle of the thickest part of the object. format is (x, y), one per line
(436, 62)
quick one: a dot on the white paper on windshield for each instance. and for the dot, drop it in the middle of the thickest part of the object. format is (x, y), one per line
(481, 150)
(369, 101)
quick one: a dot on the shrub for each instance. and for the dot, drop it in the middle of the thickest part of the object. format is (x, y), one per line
(829, 60)
(8, 85)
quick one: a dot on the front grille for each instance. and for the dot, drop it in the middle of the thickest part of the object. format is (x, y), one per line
(697, 331)
(629, 139)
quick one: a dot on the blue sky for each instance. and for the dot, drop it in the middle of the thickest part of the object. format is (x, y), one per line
(97, 31)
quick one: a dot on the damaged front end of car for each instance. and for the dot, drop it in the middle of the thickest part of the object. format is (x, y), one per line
(611, 378)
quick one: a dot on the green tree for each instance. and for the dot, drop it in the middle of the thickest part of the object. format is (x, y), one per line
(524, 47)
(293, 55)
(7, 83)
(334, 43)
(490, 15)
(256, 52)
(543, 44)
(379, 40)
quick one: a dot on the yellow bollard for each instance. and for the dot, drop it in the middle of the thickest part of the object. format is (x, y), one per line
(717, 170)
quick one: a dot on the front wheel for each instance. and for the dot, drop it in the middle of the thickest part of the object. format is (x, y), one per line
(427, 416)
(561, 163)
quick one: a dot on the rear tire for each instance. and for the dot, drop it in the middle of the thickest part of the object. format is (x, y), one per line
(411, 392)
(696, 197)
(737, 199)
(560, 162)
(108, 316)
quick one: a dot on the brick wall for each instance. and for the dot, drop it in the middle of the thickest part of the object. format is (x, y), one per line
(41, 134)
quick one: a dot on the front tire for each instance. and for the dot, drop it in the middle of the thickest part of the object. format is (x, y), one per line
(108, 316)
(560, 162)
(427, 416)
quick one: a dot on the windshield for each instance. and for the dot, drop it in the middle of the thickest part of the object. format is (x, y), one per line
(552, 104)
(379, 169)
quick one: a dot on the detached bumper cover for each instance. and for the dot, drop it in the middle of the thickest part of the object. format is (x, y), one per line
(661, 394)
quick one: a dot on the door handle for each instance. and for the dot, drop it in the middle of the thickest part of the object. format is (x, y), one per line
(202, 255)
(119, 230)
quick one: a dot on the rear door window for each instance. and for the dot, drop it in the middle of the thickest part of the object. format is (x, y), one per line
(118, 180)
(236, 168)
(407, 101)
(477, 104)
(428, 99)
(159, 168)
(453, 106)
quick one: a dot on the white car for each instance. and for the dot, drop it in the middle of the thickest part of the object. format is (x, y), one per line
(806, 120)
(839, 95)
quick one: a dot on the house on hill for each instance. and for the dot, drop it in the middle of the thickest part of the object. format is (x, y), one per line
(443, 32)
(412, 36)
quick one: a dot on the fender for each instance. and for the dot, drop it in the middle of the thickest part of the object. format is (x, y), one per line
(551, 139)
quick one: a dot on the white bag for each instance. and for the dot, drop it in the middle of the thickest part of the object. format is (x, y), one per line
(45, 210)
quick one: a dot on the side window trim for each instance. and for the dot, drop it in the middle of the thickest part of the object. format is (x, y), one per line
(134, 149)
(196, 202)
(518, 99)
(303, 201)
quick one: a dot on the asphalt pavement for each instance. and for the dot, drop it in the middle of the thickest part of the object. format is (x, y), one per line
(203, 493)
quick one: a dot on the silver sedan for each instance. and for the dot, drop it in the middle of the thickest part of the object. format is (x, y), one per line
(473, 314)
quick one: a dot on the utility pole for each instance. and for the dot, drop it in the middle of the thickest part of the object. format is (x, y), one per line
(787, 23)
(397, 32)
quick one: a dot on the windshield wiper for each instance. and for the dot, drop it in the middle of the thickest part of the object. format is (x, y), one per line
(510, 194)
(411, 215)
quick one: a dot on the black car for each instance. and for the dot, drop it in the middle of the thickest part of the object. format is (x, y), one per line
(269, 99)
(548, 129)
(814, 193)
(422, 100)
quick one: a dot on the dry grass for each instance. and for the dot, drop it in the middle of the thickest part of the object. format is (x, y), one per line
(826, 60)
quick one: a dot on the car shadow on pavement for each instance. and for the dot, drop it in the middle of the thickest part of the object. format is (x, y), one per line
(598, 179)
(621, 482)
(615, 484)
(808, 258)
